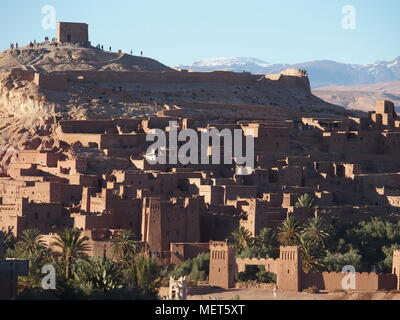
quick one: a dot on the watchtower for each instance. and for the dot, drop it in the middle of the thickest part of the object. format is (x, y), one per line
(290, 269)
(72, 32)
(222, 265)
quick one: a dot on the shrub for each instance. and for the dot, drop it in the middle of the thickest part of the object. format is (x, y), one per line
(256, 273)
(312, 289)
(195, 269)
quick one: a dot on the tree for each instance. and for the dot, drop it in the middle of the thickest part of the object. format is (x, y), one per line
(289, 232)
(386, 264)
(36, 262)
(196, 269)
(147, 275)
(305, 201)
(312, 256)
(73, 247)
(241, 239)
(31, 247)
(334, 262)
(370, 237)
(124, 247)
(98, 274)
(267, 242)
(315, 230)
(7, 242)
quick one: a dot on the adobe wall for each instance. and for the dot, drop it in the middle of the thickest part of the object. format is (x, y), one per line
(181, 252)
(271, 265)
(49, 82)
(59, 80)
(86, 139)
(22, 74)
(288, 268)
(218, 226)
(155, 77)
(364, 281)
(47, 159)
(86, 126)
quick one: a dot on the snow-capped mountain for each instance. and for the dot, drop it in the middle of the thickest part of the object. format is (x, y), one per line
(230, 62)
(322, 72)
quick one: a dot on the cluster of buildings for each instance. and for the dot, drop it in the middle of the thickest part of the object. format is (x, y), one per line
(97, 178)
(99, 181)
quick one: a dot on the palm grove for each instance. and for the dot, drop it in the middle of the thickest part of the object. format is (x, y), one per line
(131, 275)
(366, 245)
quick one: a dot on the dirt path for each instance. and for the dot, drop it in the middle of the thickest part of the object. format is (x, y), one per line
(212, 293)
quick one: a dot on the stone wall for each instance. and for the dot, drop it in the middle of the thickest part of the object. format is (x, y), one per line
(58, 80)
(288, 268)
(50, 82)
(183, 251)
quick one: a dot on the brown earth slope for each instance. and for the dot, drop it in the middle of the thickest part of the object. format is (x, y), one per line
(361, 97)
(67, 57)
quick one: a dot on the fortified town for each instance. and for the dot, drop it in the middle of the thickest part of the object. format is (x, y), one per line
(90, 171)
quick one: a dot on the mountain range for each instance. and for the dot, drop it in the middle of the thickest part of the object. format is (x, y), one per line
(322, 73)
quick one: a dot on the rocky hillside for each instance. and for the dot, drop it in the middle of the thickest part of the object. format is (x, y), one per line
(361, 97)
(66, 57)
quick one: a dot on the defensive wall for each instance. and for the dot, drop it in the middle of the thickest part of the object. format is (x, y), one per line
(289, 271)
(59, 80)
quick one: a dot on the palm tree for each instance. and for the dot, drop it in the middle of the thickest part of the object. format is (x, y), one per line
(266, 241)
(241, 239)
(31, 242)
(73, 247)
(124, 247)
(7, 242)
(311, 256)
(36, 261)
(316, 231)
(305, 201)
(289, 232)
(31, 247)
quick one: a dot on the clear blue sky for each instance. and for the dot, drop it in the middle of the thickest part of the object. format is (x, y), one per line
(182, 31)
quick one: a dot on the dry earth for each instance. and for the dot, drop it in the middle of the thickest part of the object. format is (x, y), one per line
(361, 97)
(212, 293)
(48, 57)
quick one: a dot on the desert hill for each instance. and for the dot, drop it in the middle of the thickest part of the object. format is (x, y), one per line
(49, 57)
(361, 97)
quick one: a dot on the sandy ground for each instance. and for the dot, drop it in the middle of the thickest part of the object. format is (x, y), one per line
(212, 293)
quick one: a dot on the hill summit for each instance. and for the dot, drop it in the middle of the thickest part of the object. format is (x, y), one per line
(52, 56)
